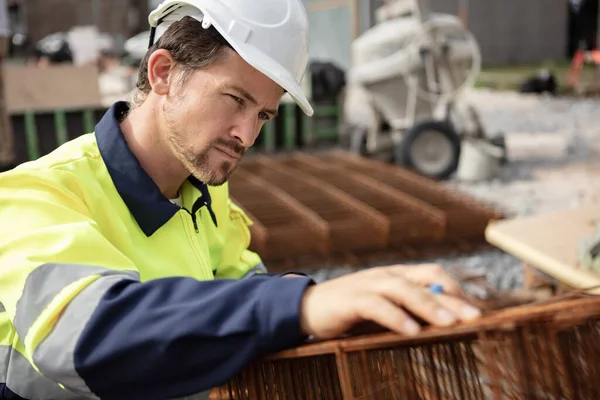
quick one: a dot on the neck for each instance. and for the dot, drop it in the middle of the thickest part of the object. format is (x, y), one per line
(141, 131)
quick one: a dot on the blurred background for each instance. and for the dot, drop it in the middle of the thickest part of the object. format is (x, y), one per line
(537, 46)
(512, 33)
(498, 100)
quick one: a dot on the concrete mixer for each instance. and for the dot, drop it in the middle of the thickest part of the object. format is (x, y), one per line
(402, 101)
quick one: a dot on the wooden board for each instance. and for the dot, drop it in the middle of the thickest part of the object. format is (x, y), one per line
(550, 242)
(47, 89)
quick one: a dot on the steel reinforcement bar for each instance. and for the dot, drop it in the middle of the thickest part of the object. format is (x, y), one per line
(466, 218)
(332, 209)
(353, 224)
(274, 213)
(411, 219)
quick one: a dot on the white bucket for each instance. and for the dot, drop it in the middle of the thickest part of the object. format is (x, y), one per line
(479, 161)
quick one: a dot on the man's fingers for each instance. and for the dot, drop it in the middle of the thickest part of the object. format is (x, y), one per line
(417, 300)
(385, 313)
(460, 308)
(428, 274)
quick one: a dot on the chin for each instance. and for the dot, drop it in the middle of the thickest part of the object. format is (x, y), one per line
(214, 171)
(210, 179)
(217, 182)
(213, 176)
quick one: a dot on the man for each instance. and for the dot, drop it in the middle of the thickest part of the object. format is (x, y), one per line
(125, 269)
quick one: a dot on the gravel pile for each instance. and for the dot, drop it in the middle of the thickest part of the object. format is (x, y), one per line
(554, 151)
(515, 112)
(502, 271)
(554, 163)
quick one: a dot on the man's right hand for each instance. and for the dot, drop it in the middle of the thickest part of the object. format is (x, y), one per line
(383, 295)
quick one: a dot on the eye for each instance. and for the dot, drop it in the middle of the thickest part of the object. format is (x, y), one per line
(263, 115)
(237, 99)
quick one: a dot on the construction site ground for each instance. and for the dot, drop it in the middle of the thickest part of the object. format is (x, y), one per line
(554, 163)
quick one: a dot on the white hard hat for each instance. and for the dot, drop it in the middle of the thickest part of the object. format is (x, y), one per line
(270, 35)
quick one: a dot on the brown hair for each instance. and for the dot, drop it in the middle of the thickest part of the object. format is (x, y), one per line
(192, 47)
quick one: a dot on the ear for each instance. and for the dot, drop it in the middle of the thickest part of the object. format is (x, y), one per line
(161, 66)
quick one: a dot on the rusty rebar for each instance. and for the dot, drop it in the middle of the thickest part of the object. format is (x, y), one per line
(465, 217)
(277, 211)
(353, 224)
(412, 220)
(310, 211)
(549, 350)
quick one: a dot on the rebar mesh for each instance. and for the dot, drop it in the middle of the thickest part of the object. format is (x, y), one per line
(331, 208)
(549, 350)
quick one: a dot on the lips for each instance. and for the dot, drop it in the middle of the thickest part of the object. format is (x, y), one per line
(228, 153)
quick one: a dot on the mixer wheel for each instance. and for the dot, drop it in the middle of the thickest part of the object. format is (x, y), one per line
(353, 138)
(430, 148)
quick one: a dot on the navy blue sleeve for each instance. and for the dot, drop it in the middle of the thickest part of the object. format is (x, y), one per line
(174, 337)
(283, 274)
(294, 273)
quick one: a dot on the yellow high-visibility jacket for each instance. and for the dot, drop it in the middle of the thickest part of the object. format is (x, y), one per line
(110, 290)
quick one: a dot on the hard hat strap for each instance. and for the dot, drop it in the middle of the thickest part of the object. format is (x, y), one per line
(215, 33)
(219, 37)
(152, 34)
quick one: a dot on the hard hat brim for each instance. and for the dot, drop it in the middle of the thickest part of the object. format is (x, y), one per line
(258, 60)
(276, 73)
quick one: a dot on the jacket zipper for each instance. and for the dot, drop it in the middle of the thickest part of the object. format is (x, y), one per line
(194, 241)
(198, 204)
(205, 268)
(193, 216)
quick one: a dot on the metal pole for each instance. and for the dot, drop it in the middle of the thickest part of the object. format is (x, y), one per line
(96, 13)
(355, 11)
(463, 12)
(424, 7)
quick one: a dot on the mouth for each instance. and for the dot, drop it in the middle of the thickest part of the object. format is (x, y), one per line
(228, 153)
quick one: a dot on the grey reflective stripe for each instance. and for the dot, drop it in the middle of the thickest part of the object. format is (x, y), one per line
(2, 308)
(22, 379)
(47, 281)
(257, 269)
(55, 355)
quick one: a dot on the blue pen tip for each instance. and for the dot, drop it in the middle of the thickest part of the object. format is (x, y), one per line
(436, 288)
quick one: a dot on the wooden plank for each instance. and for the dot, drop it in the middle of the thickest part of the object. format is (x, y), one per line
(550, 242)
(47, 89)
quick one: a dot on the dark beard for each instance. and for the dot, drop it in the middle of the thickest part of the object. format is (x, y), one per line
(198, 164)
(202, 170)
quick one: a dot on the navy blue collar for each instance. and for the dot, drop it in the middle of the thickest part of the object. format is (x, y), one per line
(150, 208)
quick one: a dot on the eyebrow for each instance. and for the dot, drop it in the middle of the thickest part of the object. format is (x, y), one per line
(244, 93)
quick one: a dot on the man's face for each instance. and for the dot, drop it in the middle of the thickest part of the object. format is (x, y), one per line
(216, 114)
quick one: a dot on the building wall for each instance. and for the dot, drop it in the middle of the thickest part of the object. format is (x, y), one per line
(330, 32)
(508, 31)
(49, 16)
(513, 31)
(519, 32)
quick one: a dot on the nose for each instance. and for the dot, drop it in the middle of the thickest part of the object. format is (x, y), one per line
(246, 130)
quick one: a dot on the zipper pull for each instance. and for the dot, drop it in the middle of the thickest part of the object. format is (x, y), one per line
(212, 214)
(195, 223)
